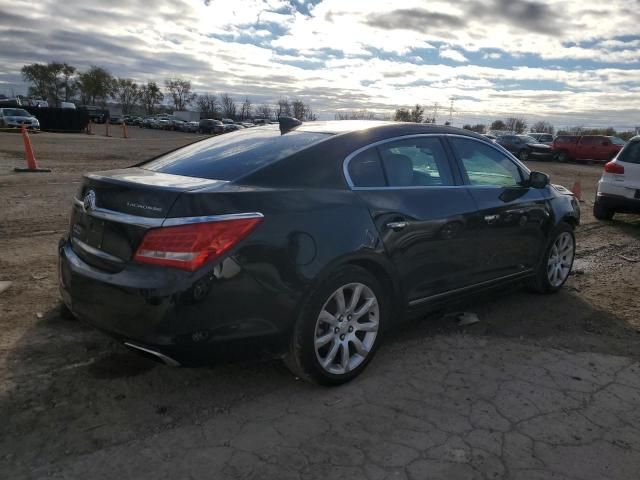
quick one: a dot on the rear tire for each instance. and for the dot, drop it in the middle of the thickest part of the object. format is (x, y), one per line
(555, 265)
(339, 328)
(601, 212)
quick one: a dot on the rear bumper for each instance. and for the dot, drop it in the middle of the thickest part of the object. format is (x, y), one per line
(222, 313)
(619, 203)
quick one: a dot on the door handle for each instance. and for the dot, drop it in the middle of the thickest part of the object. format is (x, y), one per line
(397, 225)
(491, 218)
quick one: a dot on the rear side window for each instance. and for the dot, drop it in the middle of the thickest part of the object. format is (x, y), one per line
(416, 162)
(630, 153)
(365, 169)
(484, 165)
(233, 155)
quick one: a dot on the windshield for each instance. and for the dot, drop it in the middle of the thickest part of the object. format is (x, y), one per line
(232, 155)
(617, 141)
(527, 139)
(16, 112)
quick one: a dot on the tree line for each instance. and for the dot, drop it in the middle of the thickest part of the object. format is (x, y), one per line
(58, 82)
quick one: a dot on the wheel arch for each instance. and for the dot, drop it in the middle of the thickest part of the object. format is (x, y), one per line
(379, 266)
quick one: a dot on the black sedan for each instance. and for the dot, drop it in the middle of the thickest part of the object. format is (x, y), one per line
(307, 241)
(525, 147)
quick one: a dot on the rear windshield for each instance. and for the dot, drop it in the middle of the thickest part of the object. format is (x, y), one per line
(233, 155)
(631, 153)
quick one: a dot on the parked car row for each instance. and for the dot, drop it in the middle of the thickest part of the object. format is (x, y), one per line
(563, 148)
(204, 126)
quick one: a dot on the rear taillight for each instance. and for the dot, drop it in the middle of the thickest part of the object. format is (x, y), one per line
(190, 246)
(613, 167)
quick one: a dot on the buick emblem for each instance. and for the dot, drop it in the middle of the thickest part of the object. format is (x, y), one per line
(89, 200)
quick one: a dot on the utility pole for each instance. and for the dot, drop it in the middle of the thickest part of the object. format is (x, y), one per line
(435, 112)
(452, 99)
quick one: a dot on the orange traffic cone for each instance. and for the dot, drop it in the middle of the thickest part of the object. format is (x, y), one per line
(577, 190)
(32, 165)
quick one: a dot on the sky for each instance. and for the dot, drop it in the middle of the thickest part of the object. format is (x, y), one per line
(568, 62)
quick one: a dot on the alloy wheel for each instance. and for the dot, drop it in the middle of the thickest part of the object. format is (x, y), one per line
(560, 259)
(346, 328)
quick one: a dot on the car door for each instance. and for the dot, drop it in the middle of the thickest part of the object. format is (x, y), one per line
(421, 211)
(510, 219)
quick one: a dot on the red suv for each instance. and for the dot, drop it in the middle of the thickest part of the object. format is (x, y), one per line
(586, 147)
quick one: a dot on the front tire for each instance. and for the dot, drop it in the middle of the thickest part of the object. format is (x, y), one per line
(523, 155)
(339, 329)
(555, 266)
(562, 157)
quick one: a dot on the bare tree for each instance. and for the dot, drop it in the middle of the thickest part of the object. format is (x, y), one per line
(246, 109)
(283, 108)
(355, 115)
(409, 115)
(299, 109)
(126, 93)
(150, 97)
(543, 127)
(180, 91)
(417, 114)
(498, 125)
(208, 105)
(264, 111)
(95, 85)
(309, 115)
(516, 124)
(402, 115)
(228, 106)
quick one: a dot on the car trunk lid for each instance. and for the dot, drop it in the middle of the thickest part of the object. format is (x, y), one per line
(114, 209)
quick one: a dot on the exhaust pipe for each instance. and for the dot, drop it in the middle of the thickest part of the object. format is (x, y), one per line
(160, 356)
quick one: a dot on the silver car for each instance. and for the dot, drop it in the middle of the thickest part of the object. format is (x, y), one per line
(16, 117)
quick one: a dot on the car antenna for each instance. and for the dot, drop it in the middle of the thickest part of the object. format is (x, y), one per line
(287, 124)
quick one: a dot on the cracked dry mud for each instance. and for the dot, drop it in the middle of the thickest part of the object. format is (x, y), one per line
(543, 387)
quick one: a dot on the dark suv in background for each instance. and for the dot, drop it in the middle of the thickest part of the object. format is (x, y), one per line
(525, 147)
(209, 125)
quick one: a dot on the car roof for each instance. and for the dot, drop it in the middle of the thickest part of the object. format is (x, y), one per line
(337, 127)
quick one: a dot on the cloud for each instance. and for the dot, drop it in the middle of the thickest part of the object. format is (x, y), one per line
(417, 19)
(452, 54)
(556, 58)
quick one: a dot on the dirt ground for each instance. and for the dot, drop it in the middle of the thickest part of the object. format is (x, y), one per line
(74, 404)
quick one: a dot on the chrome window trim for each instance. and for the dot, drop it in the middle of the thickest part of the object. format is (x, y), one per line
(119, 217)
(499, 148)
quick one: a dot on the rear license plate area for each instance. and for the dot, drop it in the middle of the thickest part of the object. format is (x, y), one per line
(88, 230)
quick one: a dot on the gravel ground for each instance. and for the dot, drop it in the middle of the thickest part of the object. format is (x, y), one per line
(543, 387)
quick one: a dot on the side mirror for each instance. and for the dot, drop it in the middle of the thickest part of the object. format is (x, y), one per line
(538, 180)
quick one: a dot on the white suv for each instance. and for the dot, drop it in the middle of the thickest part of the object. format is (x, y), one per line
(619, 186)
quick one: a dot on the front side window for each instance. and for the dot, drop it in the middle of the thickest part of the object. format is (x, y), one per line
(414, 162)
(484, 165)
